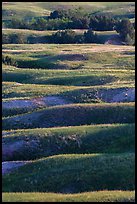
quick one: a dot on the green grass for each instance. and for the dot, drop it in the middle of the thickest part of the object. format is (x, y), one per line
(112, 138)
(21, 10)
(13, 89)
(16, 111)
(98, 94)
(82, 77)
(99, 196)
(76, 94)
(80, 95)
(35, 36)
(84, 150)
(106, 35)
(73, 173)
(29, 9)
(73, 115)
(24, 36)
(55, 59)
(26, 32)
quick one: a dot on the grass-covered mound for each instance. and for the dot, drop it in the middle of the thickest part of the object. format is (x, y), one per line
(87, 77)
(98, 196)
(100, 94)
(49, 77)
(14, 90)
(76, 94)
(36, 143)
(73, 115)
(24, 36)
(20, 105)
(73, 174)
(56, 58)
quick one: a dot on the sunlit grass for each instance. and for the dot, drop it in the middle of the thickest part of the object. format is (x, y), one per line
(99, 196)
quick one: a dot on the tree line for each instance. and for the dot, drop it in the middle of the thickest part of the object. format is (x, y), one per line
(61, 19)
(66, 36)
(76, 19)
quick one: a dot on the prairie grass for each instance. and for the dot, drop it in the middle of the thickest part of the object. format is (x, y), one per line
(73, 173)
(81, 77)
(81, 152)
(40, 142)
(97, 196)
(54, 57)
(29, 9)
(73, 115)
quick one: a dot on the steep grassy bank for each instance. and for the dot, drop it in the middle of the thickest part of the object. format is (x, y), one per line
(36, 143)
(73, 115)
(73, 173)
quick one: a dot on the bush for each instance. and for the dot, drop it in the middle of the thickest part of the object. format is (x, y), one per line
(5, 39)
(91, 37)
(126, 30)
(69, 36)
(64, 37)
(102, 23)
(14, 38)
(9, 61)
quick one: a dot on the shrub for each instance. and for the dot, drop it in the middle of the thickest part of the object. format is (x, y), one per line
(91, 37)
(126, 30)
(67, 36)
(102, 23)
(8, 60)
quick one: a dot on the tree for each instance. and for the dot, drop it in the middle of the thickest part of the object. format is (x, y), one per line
(64, 37)
(60, 13)
(126, 30)
(91, 37)
(102, 22)
(129, 40)
(79, 23)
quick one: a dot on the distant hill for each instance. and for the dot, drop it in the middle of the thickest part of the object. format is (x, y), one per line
(29, 9)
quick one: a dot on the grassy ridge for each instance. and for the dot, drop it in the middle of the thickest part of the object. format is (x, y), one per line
(99, 196)
(59, 59)
(73, 115)
(35, 36)
(76, 94)
(73, 174)
(37, 143)
(13, 89)
(84, 150)
(86, 77)
(21, 9)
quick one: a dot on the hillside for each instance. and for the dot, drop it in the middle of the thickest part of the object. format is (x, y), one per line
(68, 107)
(30, 9)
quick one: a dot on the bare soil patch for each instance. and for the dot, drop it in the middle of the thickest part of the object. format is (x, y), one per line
(9, 149)
(114, 40)
(117, 95)
(12, 149)
(125, 95)
(10, 166)
(35, 102)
